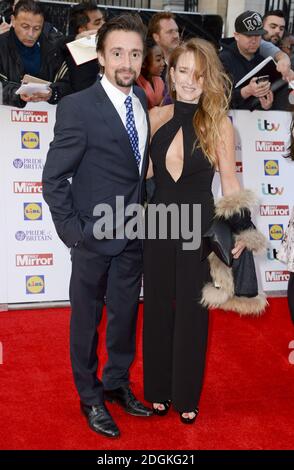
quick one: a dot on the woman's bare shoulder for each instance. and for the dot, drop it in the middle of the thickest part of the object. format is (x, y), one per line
(159, 115)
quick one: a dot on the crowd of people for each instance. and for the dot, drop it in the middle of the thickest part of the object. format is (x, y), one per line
(105, 145)
(35, 47)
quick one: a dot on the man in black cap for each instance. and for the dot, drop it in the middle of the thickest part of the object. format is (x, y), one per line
(240, 57)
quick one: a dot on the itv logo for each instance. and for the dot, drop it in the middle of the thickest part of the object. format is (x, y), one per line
(265, 125)
(269, 190)
(272, 254)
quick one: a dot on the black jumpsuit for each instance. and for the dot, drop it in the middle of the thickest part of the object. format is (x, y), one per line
(175, 324)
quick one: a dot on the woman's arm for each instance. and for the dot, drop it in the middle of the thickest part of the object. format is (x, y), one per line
(227, 168)
(226, 159)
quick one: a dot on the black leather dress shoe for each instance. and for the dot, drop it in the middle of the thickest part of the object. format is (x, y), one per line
(100, 420)
(125, 398)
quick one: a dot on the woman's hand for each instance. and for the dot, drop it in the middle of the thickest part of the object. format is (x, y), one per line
(237, 250)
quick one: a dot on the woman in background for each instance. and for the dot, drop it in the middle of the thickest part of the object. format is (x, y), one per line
(150, 78)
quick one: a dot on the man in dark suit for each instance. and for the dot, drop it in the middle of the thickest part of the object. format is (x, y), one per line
(101, 139)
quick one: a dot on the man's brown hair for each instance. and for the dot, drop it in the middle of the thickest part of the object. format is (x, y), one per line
(154, 23)
(126, 22)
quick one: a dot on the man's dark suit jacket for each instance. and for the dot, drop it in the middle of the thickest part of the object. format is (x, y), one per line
(92, 147)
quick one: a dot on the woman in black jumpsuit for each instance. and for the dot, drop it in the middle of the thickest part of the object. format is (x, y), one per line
(175, 323)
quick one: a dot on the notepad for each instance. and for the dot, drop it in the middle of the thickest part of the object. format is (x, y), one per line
(31, 85)
(83, 49)
(267, 67)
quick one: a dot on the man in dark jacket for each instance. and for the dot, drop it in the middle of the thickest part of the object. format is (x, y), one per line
(25, 49)
(241, 57)
(86, 19)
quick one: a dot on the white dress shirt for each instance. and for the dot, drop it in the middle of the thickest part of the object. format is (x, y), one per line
(118, 98)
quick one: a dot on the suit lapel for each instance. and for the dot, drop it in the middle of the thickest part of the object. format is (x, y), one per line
(115, 124)
(113, 121)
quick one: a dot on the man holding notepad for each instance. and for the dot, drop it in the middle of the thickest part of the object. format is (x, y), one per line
(25, 50)
(241, 57)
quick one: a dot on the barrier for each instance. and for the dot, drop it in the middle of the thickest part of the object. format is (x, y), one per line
(35, 265)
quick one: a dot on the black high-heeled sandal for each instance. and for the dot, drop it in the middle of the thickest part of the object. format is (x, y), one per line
(163, 412)
(189, 420)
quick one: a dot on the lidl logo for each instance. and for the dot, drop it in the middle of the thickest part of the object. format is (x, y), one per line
(271, 168)
(35, 284)
(32, 210)
(30, 140)
(276, 231)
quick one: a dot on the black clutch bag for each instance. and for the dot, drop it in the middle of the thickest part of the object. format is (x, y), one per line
(219, 239)
(244, 274)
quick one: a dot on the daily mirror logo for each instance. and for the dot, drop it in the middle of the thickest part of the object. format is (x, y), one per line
(277, 276)
(39, 259)
(40, 117)
(274, 211)
(27, 187)
(270, 146)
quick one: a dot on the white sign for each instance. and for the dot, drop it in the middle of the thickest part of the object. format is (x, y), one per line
(35, 265)
(264, 138)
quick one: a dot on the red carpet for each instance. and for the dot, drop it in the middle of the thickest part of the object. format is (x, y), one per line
(247, 400)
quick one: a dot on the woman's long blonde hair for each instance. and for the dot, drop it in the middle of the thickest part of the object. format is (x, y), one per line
(215, 99)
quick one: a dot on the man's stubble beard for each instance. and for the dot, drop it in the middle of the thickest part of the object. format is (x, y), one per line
(123, 83)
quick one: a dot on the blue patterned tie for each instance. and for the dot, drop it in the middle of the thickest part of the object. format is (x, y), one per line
(131, 129)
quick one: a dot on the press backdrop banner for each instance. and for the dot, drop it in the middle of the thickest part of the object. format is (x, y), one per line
(263, 139)
(35, 264)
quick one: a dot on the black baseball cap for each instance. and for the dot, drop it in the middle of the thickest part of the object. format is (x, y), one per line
(249, 23)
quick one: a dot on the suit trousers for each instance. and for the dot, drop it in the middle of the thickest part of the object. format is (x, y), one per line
(93, 277)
